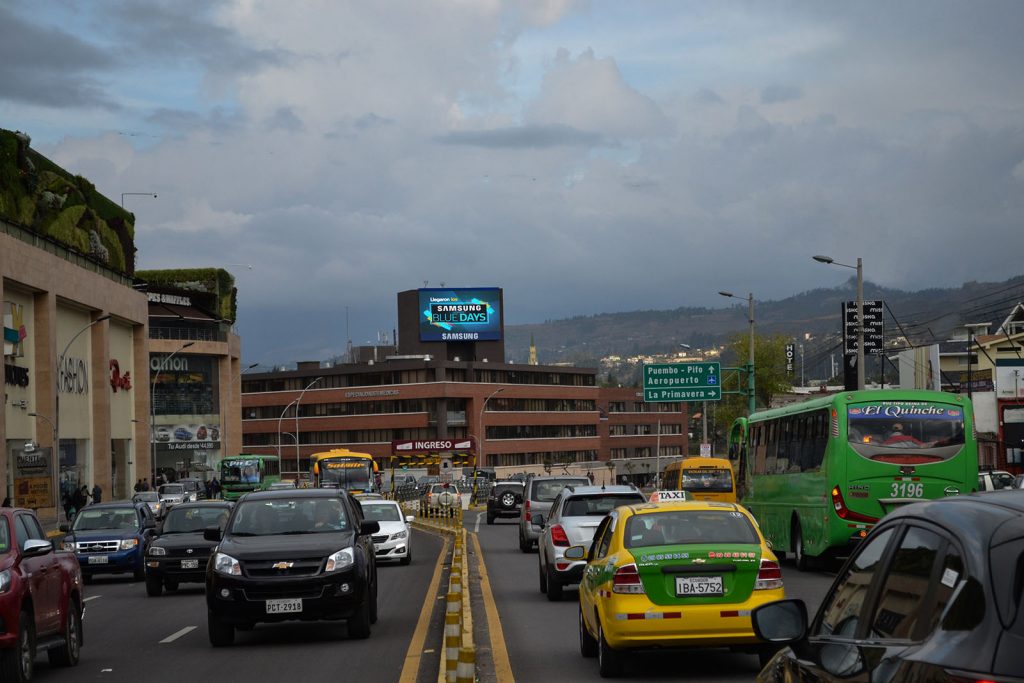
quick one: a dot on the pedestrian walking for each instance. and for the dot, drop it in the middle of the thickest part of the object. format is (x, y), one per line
(208, 489)
(97, 494)
(145, 484)
(79, 499)
(138, 486)
(215, 487)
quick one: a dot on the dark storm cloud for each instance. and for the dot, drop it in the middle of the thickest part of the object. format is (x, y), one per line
(181, 30)
(523, 137)
(775, 94)
(49, 67)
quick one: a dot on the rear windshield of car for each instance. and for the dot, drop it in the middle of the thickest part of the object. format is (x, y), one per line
(501, 488)
(382, 512)
(5, 537)
(598, 505)
(289, 516)
(684, 527)
(188, 520)
(441, 488)
(545, 491)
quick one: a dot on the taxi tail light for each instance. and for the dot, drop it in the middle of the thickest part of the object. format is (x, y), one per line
(769, 576)
(558, 536)
(526, 511)
(627, 580)
(846, 513)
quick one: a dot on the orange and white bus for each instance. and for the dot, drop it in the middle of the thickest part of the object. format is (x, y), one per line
(345, 469)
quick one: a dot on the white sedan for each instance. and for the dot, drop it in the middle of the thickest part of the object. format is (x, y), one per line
(394, 540)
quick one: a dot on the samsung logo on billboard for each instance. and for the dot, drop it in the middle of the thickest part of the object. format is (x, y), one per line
(460, 314)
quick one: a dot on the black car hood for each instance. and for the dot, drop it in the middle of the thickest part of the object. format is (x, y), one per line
(274, 547)
(186, 540)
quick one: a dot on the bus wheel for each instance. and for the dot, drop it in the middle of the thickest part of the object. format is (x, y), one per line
(800, 559)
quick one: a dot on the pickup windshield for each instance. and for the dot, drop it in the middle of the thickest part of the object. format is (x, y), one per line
(289, 516)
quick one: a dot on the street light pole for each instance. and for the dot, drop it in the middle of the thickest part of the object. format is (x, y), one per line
(483, 430)
(279, 432)
(297, 401)
(152, 403)
(751, 396)
(704, 405)
(860, 311)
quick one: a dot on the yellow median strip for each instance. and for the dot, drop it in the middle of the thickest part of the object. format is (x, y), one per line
(499, 653)
(415, 652)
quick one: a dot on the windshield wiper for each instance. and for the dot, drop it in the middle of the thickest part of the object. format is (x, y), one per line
(245, 533)
(294, 533)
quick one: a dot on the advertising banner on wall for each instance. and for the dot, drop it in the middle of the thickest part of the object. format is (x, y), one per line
(33, 485)
(187, 437)
(460, 314)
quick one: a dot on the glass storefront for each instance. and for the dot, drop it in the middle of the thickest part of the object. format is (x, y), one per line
(186, 401)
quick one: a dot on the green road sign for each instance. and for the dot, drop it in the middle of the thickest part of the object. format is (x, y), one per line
(683, 381)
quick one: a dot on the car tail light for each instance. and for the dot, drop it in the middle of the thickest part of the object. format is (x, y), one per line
(627, 580)
(846, 513)
(769, 576)
(968, 677)
(558, 536)
(526, 511)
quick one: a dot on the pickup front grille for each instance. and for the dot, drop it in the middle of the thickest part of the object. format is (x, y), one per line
(97, 546)
(267, 568)
(277, 593)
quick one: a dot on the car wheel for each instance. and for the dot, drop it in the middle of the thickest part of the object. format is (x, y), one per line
(171, 585)
(524, 545)
(765, 654)
(359, 623)
(154, 587)
(800, 559)
(408, 556)
(508, 500)
(542, 575)
(68, 652)
(373, 604)
(588, 644)
(609, 662)
(490, 519)
(554, 586)
(221, 634)
(16, 664)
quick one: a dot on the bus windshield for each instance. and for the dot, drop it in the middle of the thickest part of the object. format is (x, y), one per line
(706, 479)
(240, 472)
(346, 473)
(886, 430)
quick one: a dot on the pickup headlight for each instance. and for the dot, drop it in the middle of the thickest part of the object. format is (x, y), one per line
(341, 560)
(398, 535)
(157, 550)
(5, 580)
(225, 564)
(129, 543)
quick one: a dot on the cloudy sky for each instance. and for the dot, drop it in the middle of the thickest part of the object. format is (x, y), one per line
(587, 157)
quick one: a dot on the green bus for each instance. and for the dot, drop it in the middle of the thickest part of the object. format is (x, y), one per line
(240, 474)
(818, 475)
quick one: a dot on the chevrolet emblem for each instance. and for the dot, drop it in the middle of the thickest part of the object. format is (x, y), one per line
(282, 565)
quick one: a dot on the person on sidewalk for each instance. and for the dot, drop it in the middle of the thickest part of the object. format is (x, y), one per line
(97, 494)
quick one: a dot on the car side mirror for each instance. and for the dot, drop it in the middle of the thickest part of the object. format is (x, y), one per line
(65, 527)
(781, 622)
(34, 548)
(409, 519)
(537, 520)
(369, 526)
(574, 553)
(213, 533)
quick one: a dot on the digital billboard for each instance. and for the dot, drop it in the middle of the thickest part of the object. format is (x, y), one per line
(460, 314)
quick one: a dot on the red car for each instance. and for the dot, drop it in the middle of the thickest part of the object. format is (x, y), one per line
(41, 603)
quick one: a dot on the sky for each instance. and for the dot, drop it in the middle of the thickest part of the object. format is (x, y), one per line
(587, 157)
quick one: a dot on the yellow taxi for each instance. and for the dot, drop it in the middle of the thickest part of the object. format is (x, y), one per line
(675, 573)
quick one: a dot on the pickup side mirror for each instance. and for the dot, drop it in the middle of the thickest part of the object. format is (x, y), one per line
(213, 533)
(368, 527)
(34, 548)
(781, 622)
(537, 520)
(65, 527)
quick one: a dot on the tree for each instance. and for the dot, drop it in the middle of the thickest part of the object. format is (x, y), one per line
(770, 376)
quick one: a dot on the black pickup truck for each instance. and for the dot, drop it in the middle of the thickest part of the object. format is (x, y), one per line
(300, 554)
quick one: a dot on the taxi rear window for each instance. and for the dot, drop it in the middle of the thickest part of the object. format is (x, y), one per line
(686, 527)
(598, 505)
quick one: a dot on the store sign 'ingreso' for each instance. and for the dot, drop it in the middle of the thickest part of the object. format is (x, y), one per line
(434, 446)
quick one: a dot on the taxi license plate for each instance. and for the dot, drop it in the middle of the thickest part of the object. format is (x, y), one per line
(284, 606)
(699, 585)
(98, 559)
(190, 564)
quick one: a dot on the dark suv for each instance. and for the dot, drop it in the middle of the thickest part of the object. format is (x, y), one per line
(179, 552)
(538, 494)
(504, 500)
(934, 593)
(301, 554)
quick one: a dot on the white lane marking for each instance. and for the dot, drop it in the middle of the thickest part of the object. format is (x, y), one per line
(476, 527)
(174, 636)
(92, 597)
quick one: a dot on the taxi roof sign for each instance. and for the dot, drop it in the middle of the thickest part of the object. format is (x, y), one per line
(669, 496)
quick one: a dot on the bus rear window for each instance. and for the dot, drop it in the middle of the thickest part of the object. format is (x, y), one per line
(707, 479)
(878, 430)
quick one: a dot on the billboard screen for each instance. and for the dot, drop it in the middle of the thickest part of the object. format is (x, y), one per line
(460, 314)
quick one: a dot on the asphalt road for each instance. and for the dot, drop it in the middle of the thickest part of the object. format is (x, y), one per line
(130, 637)
(542, 637)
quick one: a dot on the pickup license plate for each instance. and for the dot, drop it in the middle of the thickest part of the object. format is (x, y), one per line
(699, 585)
(284, 606)
(190, 564)
(98, 559)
